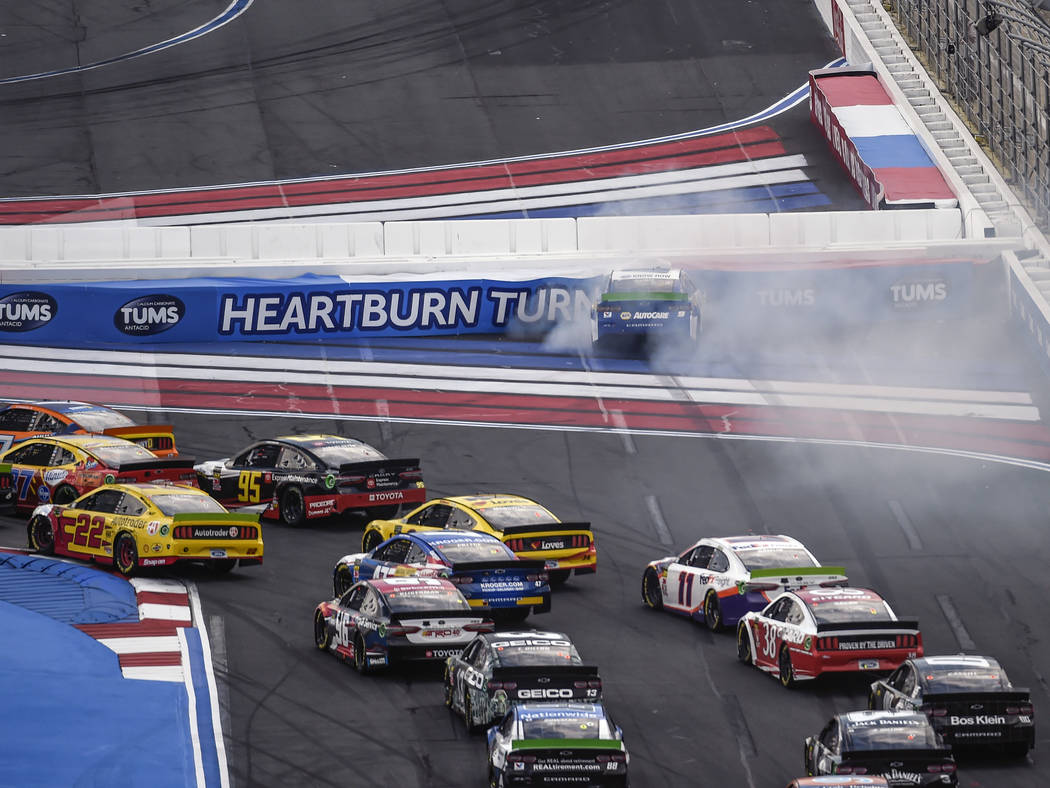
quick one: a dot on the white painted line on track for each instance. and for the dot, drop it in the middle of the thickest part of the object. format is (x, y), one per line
(956, 623)
(657, 517)
(616, 417)
(173, 673)
(209, 670)
(914, 542)
(141, 645)
(220, 661)
(195, 738)
(152, 610)
(158, 584)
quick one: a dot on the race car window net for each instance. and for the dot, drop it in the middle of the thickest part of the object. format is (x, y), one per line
(98, 420)
(500, 517)
(33, 454)
(340, 454)
(521, 656)
(559, 728)
(416, 600)
(115, 455)
(919, 736)
(180, 504)
(476, 551)
(774, 559)
(846, 612)
(47, 423)
(17, 419)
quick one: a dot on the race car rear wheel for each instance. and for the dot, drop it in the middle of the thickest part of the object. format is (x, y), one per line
(293, 506)
(343, 579)
(787, 670)
(322, 637)
(559, 576)
(125, 554)
(713, 612)
(64, 495)
(41, 535)
(651, 595)
(360, 655)
(743, 643)
(370, 541)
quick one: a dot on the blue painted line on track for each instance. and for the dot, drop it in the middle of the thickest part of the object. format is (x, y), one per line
(234, 10)
(205, 731)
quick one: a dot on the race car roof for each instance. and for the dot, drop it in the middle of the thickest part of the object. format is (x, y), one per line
(816, 596)
(415, 584)
(491, 500)
(495, 638)
(954, 663)
(759, 542)
(90, 442)
(560, 711)
(154, 488)
(854, 720)
(70, 407)
(626, 275)
(438, 538)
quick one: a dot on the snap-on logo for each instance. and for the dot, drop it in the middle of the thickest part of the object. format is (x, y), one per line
(26, 310)
(149, 314)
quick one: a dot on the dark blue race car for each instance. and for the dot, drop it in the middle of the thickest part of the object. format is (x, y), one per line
(644, 303)
(483, 568)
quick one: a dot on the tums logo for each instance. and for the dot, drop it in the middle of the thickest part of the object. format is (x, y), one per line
(787, 297)
(149, 314)
(910, 295)
(26, 310)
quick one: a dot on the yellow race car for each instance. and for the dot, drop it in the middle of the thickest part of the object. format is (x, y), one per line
(146, 525)
(526, 527)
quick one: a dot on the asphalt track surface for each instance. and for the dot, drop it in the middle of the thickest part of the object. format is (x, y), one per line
(291, 89)
(927, 530)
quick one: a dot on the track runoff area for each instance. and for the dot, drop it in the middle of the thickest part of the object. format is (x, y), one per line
(949, 531)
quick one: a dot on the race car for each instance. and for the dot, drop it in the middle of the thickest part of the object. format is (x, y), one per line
(557, 743)
(969, 700)
(133, 526)
(717, 580)
(644, 302)
(484, 569)
(379, 622)
(501, 668)
(22, 420)
(802, 634)
(901, 746)
(303, 477)
(527, 528)
(60, 469)
(840, 781)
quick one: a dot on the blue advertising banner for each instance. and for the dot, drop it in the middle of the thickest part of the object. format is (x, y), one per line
(230, 309)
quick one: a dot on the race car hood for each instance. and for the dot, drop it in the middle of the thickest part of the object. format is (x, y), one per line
(351, 559)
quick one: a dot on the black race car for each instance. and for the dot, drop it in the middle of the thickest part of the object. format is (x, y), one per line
(968, 699)
(301, 477)
(901, 746)
(501, 668)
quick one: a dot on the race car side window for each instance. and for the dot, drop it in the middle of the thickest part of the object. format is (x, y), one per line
(480, 659)
(433, 516)
(719, 562)
(415, 555)
(830, 736)
(907, 679)
(780, 609)
(38, 454)
(129, 506)
(264, 456)
(794, 613)
(393, 551)
(701, 557)
(352, 599)
(507, 726)
(370, 604)
(61, 457)
(471, 650)
(17, 419)
(45, 422)
(460, 520)
(105, 501)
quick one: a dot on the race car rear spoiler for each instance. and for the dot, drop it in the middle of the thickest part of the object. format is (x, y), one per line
(371, 466)
(517, 530)
(156, 465)
(1003, 696)
(904, 755)
(525, 564)
(141, 432)
(529, 671)
(867, 626)
(796, 576)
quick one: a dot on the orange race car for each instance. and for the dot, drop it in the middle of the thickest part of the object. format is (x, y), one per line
(22, 420)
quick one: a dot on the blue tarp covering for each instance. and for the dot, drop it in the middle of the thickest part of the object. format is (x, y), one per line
(65, 592)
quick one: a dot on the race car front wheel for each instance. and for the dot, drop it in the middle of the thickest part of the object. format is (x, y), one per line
(370, 541)
(360, 655)
(293, 507)
(712, 612)
(125, 554)
(344, 578)
(743, 644)
(787, 670)
(322, 637)
(42, 536)
(651, 590)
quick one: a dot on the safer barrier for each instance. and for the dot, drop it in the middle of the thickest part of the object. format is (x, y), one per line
(883, 156)
(316, 307)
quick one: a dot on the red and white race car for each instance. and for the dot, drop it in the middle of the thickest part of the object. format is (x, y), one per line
(802, 634)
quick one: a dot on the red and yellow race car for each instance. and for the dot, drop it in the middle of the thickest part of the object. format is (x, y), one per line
(22, 420)
(58, 470)
(144, 525)
(526, 527)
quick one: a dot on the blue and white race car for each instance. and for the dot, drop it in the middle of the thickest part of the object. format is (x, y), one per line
(557, 743)
(647, 302)
(718, 580)
(487, 572)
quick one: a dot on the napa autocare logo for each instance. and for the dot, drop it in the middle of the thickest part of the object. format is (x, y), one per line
(26, 310)
(149, 314)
